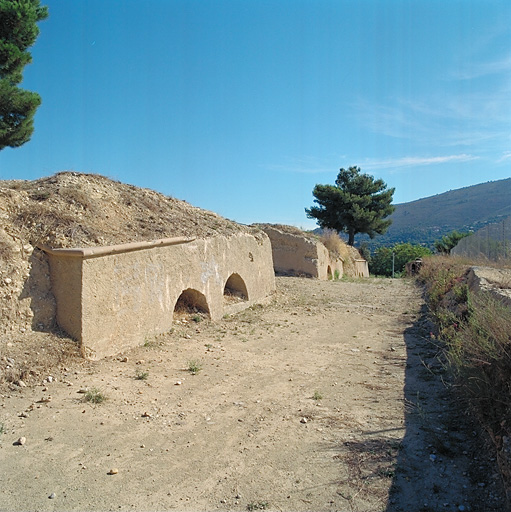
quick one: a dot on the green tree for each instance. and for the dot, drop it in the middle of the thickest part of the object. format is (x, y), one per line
(448, 242)
(357, 203)
(18, 32)
(381, 261)
(365, 252)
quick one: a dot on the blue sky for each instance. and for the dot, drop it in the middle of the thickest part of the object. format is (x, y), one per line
(242, 106)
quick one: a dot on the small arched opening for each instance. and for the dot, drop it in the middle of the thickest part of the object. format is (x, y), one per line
(329, 273)
(191, 305)
(235, 290)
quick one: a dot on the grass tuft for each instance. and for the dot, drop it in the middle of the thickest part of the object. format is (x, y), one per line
(194, 366)
(258, 505)
(94, 396)
(141, 375)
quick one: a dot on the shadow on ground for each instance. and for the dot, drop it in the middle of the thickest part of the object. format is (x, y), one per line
(442, 462)
(438, 460)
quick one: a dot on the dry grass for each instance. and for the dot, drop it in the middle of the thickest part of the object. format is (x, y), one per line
(476, 329)
(233, 297)
(80, 197)
(331, 240)
(39, 224)
(339, 249)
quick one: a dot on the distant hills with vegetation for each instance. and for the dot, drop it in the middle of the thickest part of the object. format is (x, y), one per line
(426, 220)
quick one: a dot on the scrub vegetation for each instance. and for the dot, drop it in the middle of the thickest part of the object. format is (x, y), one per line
(475, 328)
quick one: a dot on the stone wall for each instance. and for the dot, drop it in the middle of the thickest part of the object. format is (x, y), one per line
(294, 254)
(111, 298)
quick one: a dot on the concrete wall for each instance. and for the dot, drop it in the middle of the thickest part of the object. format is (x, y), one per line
(111, 298)
(297, 255)
(495, 281)
(361, 268)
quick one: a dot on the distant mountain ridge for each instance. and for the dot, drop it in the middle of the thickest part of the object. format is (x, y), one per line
(425, 220)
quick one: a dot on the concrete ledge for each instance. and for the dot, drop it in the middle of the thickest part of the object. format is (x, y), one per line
(494, 281)
(94, 252)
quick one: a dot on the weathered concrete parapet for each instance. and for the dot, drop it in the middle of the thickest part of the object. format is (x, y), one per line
(495, 281)
(361, 268)
(111, 298)
(299, 255)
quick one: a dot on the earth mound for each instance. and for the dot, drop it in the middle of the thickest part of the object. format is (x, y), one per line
(71, 209)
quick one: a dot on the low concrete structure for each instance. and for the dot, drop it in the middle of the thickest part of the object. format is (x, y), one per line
(494, 281)
(111, 298)
(361, 268)
(413, 267)
(295, 254)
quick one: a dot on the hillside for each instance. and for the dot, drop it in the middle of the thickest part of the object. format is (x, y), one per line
(72, 209)
(426, 220)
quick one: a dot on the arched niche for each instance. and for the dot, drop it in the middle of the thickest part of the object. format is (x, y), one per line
(235, 289)
(191, 302)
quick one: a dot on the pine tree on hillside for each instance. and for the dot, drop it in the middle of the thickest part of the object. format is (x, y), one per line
(357, 203)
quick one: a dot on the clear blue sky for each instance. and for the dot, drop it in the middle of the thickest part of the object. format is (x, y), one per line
(242, 106)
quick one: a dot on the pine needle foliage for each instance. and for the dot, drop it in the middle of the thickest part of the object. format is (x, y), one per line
(357, 203)
(18, 32)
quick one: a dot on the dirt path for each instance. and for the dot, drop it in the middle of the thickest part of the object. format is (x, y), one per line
(329, 398)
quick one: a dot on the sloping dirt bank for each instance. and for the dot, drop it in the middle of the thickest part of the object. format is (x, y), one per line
(329, 398)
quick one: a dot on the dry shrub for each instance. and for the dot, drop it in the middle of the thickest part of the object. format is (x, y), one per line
(331, 240)
(78, 196)
(339, 249)
(38, 223)
(476, 329)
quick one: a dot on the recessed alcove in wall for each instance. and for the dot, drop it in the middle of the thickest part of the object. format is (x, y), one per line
(235, 290)
(191, 302)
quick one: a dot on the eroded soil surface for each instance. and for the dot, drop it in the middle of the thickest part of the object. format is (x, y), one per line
(329, 398)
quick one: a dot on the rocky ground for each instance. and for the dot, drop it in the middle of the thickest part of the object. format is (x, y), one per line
(331, 397)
